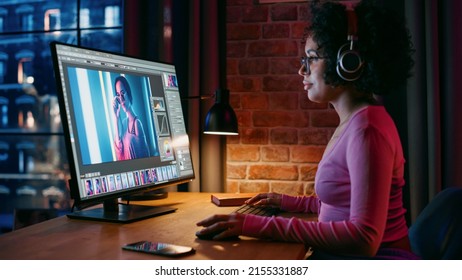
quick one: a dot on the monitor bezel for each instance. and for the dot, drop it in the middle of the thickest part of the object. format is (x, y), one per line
(80, 203)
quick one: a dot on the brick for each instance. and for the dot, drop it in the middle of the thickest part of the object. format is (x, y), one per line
(273, 172)
(286, 65)
(239, 2)
(276, 31)
(281, 83)
(253, 66)
(232, 66)
(254, 101)
(307, 154)
(273, 48)
(290, 188)
(298, 30)
(232, 186)
(254, 136)
(275, 154)
(233, 139)
(236, 171)
(233, 14)
(280, 136)
(284, 12)
(243, 31)
(255, 14)
(244, 84)
(308, 172)
(309, 188)
(244, 118)
(280, 118)
(236, 49)
(254, 186)
(283, 101)
(235, 100)
(303, 13)
(250, 153)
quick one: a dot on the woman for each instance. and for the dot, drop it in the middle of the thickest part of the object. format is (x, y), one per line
(353, 54)
(130, 140)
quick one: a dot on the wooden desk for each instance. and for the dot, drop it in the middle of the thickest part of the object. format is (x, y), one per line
(64, 238)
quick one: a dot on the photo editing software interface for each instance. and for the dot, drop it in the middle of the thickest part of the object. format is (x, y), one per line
(124, 121)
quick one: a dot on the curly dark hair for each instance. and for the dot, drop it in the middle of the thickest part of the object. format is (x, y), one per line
(383, 42)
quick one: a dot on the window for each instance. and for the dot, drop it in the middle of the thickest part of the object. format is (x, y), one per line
(52, 20)
(25, 67)
(112, 16)
(26, 29)
(3, 60)
(32, 150)
(25, 19)
(3, 14)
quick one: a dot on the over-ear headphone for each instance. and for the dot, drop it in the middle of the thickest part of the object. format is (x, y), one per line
(349, 60)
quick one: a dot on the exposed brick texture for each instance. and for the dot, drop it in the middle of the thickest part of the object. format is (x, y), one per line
(282, 135)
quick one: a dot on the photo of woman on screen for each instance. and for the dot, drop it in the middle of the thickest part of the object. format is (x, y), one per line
(130, 139)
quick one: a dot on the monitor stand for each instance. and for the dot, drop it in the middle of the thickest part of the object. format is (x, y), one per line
(115, 212)
(149, 195)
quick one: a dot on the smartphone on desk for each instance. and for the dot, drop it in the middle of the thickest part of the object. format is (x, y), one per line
(158, 248)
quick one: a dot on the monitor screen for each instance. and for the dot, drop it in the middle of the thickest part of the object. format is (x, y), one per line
(124, 130)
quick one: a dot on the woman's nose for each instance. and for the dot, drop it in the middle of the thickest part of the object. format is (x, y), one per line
(302, 71)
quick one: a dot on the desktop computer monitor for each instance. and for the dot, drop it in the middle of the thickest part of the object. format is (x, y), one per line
(124, 130)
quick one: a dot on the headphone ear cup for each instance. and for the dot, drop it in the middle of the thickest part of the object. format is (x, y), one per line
(349, 63)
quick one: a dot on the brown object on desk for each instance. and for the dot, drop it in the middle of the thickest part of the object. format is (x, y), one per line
(230, 199)
(69, 239)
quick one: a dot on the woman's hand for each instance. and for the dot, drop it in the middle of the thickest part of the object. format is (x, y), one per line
(266, 199)
(225, 226)
(116, 106)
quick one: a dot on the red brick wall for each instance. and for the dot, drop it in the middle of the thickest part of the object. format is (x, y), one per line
(282, 134)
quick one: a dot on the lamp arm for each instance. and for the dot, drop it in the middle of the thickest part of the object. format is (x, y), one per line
(201, 97)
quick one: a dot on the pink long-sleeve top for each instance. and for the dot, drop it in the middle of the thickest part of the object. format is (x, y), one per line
(358, 189)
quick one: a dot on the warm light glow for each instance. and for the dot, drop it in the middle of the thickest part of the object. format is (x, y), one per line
(30, 120)
(167, 32)
(219, 248)
(46, 19)
(21, 75)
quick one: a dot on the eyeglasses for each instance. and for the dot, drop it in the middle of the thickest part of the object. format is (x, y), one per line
(307, 61)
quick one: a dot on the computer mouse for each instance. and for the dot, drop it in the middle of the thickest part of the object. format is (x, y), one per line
(210, 235)
(206, 236)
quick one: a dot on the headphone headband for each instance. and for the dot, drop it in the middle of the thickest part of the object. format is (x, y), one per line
(352, 25)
